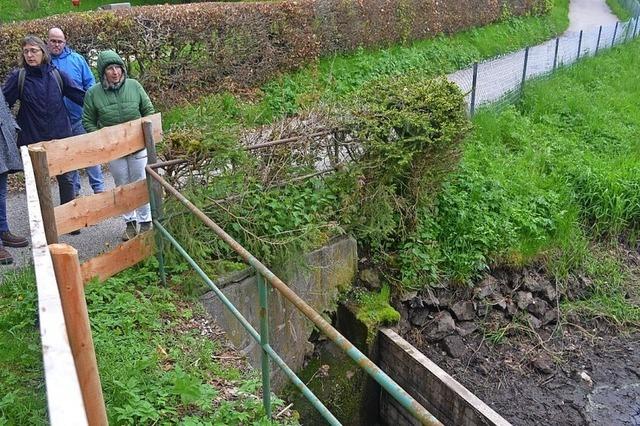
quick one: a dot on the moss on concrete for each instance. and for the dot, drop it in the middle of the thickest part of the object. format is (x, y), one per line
(345, 389)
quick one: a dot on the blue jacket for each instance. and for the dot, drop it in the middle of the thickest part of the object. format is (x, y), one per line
(77, 68)
(42, 115)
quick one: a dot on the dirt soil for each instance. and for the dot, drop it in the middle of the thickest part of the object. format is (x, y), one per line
(508, 342)
(577, 377)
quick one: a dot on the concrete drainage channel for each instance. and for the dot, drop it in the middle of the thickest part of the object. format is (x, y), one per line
(326, 273)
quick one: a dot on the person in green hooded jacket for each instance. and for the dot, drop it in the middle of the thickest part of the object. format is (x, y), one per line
(116, 99)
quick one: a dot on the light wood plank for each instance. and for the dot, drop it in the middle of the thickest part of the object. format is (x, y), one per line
(98, 147)
(64, 398)
(87, 211)
(74, 306)
(122, 257)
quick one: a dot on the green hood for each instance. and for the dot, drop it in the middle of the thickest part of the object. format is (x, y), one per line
(106, 58)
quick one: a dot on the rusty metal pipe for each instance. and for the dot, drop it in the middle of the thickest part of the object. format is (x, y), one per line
(417, 410)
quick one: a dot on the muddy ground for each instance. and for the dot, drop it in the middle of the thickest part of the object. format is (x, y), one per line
(508, 343)
(573, 379)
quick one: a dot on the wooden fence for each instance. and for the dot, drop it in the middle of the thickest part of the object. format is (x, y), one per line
(74, 393)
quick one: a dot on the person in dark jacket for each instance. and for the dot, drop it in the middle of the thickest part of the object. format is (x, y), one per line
(116, 99)
(71, 62)
(42, 115)
(9, 163)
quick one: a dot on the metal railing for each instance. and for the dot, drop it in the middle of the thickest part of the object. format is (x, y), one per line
(265, 278)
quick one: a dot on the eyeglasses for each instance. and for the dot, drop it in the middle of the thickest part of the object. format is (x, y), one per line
(33, 51)
(57, 41)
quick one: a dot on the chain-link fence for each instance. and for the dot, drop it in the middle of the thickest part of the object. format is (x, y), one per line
(502, 79)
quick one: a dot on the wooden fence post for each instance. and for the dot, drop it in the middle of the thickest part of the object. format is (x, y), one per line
(43, 185)
(74, 307)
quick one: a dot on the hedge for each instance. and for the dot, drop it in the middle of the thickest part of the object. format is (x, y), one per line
(183, 51)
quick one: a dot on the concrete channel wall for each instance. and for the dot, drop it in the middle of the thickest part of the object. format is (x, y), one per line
(431, 386)
(318, 281)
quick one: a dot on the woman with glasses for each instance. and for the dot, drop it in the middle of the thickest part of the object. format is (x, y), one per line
(40, 88)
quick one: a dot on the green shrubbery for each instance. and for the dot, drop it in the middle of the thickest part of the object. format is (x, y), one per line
(409, 129)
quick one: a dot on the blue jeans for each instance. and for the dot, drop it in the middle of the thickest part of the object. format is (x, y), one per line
(94, 172)
(4, 226)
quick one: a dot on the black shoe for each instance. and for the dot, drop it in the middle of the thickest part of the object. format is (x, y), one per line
(76, 232)
(10, 240)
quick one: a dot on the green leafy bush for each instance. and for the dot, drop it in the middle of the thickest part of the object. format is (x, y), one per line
(409, 129)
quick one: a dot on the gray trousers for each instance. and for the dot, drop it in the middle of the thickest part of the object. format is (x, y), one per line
(130, 169)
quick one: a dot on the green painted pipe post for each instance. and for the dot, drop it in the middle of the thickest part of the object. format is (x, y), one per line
(264, 342)
(158, 236)
(155, 195)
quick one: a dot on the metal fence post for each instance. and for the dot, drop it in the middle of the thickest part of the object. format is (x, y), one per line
(555, 54)
(579, 45)
(155, 195)
(626, 30)
(264, 342)
(474, 82)
(598, 42)
(635, 28)
(524, 69)
(615, 32)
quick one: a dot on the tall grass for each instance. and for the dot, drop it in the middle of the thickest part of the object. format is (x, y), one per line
(620, 11)
(550, 179)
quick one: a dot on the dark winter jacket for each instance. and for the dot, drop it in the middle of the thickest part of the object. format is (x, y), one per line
(104, 106)
(42, 115)
(9, 156)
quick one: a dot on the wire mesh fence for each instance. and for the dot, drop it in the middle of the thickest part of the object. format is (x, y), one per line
(500, 80)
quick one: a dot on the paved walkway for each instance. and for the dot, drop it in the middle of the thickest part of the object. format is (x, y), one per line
(503, 75)
(89, 243)
(583, 15)
(589, 14)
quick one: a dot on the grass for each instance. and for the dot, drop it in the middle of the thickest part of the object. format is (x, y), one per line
(154, 364)
(23, 10)
(552, 179)
(620, 11)
(336, 78)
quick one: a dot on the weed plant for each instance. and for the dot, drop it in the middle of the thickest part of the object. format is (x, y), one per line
(155, 365)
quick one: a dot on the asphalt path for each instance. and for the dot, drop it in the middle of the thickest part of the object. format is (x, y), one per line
(500, 76)
(91, 241)
(585, 15)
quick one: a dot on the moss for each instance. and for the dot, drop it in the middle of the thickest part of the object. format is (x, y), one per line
(344, 388)
(374, 310)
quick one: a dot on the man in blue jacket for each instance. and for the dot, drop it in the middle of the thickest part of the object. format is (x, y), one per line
(74, 64)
